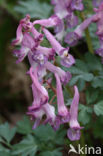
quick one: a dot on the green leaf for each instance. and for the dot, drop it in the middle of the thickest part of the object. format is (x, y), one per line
(98, 108)
(26, 147)
(84, 114)
(97, 127)
(97, 82)
(24, 126)
(51, 153)
(91, 95)
(81, 84)
(45, 133)
(81, 65)
(80, 74)
(93, 62)
(6, 132)
(84, 76)
(35, 8)
(4, 151)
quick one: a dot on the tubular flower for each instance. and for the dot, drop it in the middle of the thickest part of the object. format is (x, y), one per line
(66, 59)
(63, 113)
(64, 76)
(77, 5)
(97, 3)
(64, 10)
(74, 130)
(73, 37)
(39, 92)
(42, 60)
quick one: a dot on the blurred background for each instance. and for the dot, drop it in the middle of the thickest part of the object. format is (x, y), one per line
(15, 91)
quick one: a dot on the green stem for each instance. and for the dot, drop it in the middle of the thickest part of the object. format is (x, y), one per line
(87, 34)
(69, 91)
(7, 144)
(89, 42)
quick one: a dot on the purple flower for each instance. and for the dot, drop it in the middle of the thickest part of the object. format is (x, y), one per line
(27, 45)
(48, 52)
(100, 50)
(64, 76)
(97, 3)
(72, 37)
(74, 130)
(71, 20)
(66, 59)
(50, 114)
(39, 58)
(37, 116)
(21, 54)
(50, 22)
(19, 36)
(98, 19)
(60, 8)
(59, 27)
(77, 5)
(40, 94)
(63, 113)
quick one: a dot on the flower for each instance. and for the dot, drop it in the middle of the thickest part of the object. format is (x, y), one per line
(19, 36)
(64, 76)
(66, 59)
(73, 132)
(40, 94)
(64, 10)
(72, 37)
(41, 60)
(38, 115)
(77, 5)
(50, 22)
(71, 20)
(97, 3)
(63, 113)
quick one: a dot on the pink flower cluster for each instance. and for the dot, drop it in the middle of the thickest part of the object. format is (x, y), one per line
(42, 60)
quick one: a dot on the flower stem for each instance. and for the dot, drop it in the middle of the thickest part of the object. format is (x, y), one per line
(87, 34)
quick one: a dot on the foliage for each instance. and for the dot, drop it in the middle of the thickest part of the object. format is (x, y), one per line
(43, 140)
(28, 7)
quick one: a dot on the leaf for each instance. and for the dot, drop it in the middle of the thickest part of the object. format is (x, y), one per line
(97, 127)
(91, 95)
(80, 74)
(84, 114)
(98, 108)
(24, 126)
(84, 76)
(97, 82)
(6, 132)
(26, 147)
(93, 62)
(51, 153)
(4, 151)
(81, 84)
(45, 133)
(34, 8)
(95, 41)
(81, 65)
